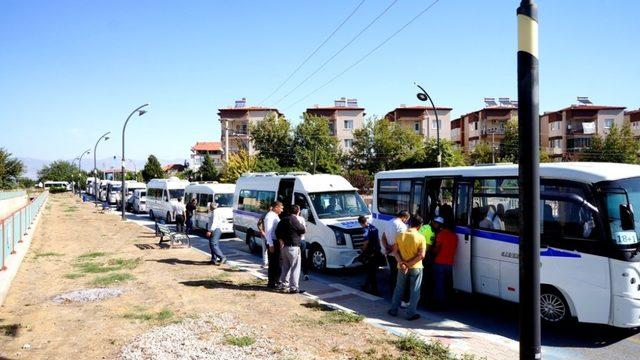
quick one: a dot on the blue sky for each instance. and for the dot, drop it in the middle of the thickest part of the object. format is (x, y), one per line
(72, 70)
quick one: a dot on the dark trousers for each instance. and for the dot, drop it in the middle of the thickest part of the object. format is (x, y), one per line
(189, 226)
(393, 271)
(443, 281)
(274, 266)
(371, 271)
(214, 246)
(179, 223)
(304, 255)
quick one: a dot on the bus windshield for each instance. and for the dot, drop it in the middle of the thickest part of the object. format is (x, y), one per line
(223, 200)
(176, 193)
(617, 193)
(338, 204)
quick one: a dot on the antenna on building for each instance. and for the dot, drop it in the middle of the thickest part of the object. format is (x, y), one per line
(489, 102)
(584, 100)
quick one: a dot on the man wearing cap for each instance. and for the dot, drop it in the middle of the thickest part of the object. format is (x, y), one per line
(444, 251)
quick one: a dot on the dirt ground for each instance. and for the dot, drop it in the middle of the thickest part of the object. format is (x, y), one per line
(75, 247)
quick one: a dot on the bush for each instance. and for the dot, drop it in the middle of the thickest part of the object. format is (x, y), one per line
(57, 189)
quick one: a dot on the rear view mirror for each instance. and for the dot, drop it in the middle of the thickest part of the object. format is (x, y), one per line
(626, 218)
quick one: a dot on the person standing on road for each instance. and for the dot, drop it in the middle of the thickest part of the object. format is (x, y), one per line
(371, 255)
(263, 239)
(191, 208)
(409, 250)
(288, 232)
(178, 213)
(270, 223)
(444, 251)
(216, 221)
(303, 248)
(391, 231)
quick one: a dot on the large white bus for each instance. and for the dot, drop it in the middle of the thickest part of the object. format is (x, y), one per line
(207, 194)
(57, 184)
(590, 218)
(330, 204)
(162, 194)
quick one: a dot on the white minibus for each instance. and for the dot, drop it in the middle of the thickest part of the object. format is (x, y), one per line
(206, 194)
(589, 221)
(57, 184)
(129, 187)
(162, 194)
(113, 191)
(329, 203)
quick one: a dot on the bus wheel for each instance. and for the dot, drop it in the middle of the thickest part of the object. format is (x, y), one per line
(318, 258)
(151, 215)
(251, 243)
(554, 309)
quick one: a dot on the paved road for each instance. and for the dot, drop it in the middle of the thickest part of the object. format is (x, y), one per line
(575, 341)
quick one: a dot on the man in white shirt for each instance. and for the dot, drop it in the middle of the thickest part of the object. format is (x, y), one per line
(179, 211)
(216, 222)
(270, 223)
(392, 229)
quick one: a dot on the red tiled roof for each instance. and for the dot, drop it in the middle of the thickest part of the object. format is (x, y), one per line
(632, 112)
(334, 108)
(207, 146)
(421, 107)
(592, 107)
(172, 166)
(247, 108)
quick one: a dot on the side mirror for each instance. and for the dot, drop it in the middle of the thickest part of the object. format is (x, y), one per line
(626, 217)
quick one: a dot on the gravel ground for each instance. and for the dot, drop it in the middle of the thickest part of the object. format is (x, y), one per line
(205, 337)
(87, 295)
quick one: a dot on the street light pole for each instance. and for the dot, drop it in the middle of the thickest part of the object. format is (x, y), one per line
(73, 189)
(423, 96)
(529, 180)
(95, 168)
(88, 151)
(140, 113)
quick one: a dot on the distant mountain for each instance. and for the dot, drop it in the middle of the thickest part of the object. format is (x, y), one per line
(34, 165)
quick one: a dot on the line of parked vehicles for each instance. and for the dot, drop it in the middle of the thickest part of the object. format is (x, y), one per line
(590, 225)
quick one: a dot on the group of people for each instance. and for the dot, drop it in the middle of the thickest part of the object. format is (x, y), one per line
(284, 247)
(407, 245)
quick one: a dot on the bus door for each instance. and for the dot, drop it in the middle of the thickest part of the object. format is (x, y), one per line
(285, 191)
(462, 265)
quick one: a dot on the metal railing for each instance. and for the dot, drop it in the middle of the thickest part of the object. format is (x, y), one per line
(4, 195)
(14, 227)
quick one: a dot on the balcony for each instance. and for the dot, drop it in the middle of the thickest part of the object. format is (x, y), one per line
(492, 132)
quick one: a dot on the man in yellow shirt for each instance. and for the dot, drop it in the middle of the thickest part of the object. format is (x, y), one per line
(409, 250)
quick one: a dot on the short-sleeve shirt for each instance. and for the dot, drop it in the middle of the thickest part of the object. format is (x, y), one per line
(446, 244)
(179, 208)
(428, 234)
(393, 228)
(409, 244)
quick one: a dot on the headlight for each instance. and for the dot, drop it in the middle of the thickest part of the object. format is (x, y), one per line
(340, 239)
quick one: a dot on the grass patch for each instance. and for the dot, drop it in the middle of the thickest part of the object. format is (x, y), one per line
(70, 209)
(10, 330)
(91, 255)
(111, 279)
(128, 264)
(73, 275)
(415, 348)
(94, 267)
(315, 305)
(149, 316)
(240, 340)
(47, 254)
(340, 317)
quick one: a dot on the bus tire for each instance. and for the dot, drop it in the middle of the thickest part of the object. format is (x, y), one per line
(318, 259)
(251, 243)
(554, 309)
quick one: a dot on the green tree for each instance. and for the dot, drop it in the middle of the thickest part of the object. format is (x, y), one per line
(360, 179)
(481, 154)
(59, 170)
(10, 170)
(26, 183)
(208, 171)
(238, 164)
(312, 140)
(510, 146)
(273, 139)
(618, 146)
(451, 156)
(385, 145)
(152, 169)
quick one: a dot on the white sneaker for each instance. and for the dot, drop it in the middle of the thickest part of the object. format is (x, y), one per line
(404, 304)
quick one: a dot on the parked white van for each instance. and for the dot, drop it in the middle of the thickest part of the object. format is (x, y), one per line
(206, 194)
(138, 201)
(57, 184)
(129, 187)
(103, 186)
(329, 203)
(162, 194)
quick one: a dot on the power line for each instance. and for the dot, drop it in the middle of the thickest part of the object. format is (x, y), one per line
(367, 54)
(338, 52)
(314, 52)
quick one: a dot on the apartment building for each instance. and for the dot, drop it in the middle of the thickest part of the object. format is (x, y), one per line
(344, 117)
(633, 118)
(567, 131)
(483, 125)
(234, 124)
(422, 120)
(203, 148)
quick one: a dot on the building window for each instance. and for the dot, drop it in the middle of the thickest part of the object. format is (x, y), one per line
(332, 130)
(436, 124)
(608, 123)
(635, 125)
(348, 143)
(416, 127)
(348, 124)
(474, 126)
(553, 126)
(555, 143)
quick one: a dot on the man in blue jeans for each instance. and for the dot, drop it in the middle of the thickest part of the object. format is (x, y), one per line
(215, 224)
(409, 250)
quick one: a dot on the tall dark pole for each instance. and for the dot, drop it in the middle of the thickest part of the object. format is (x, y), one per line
(529, 179)
(424, 96)
(88, 151)
(140, 113)
(95, 168)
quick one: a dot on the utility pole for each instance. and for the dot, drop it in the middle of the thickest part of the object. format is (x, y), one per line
(122, 160)
(95, 169)
(529, 180)
(226, 140)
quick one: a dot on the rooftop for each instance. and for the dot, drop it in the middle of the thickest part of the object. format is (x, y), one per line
(207, 146)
